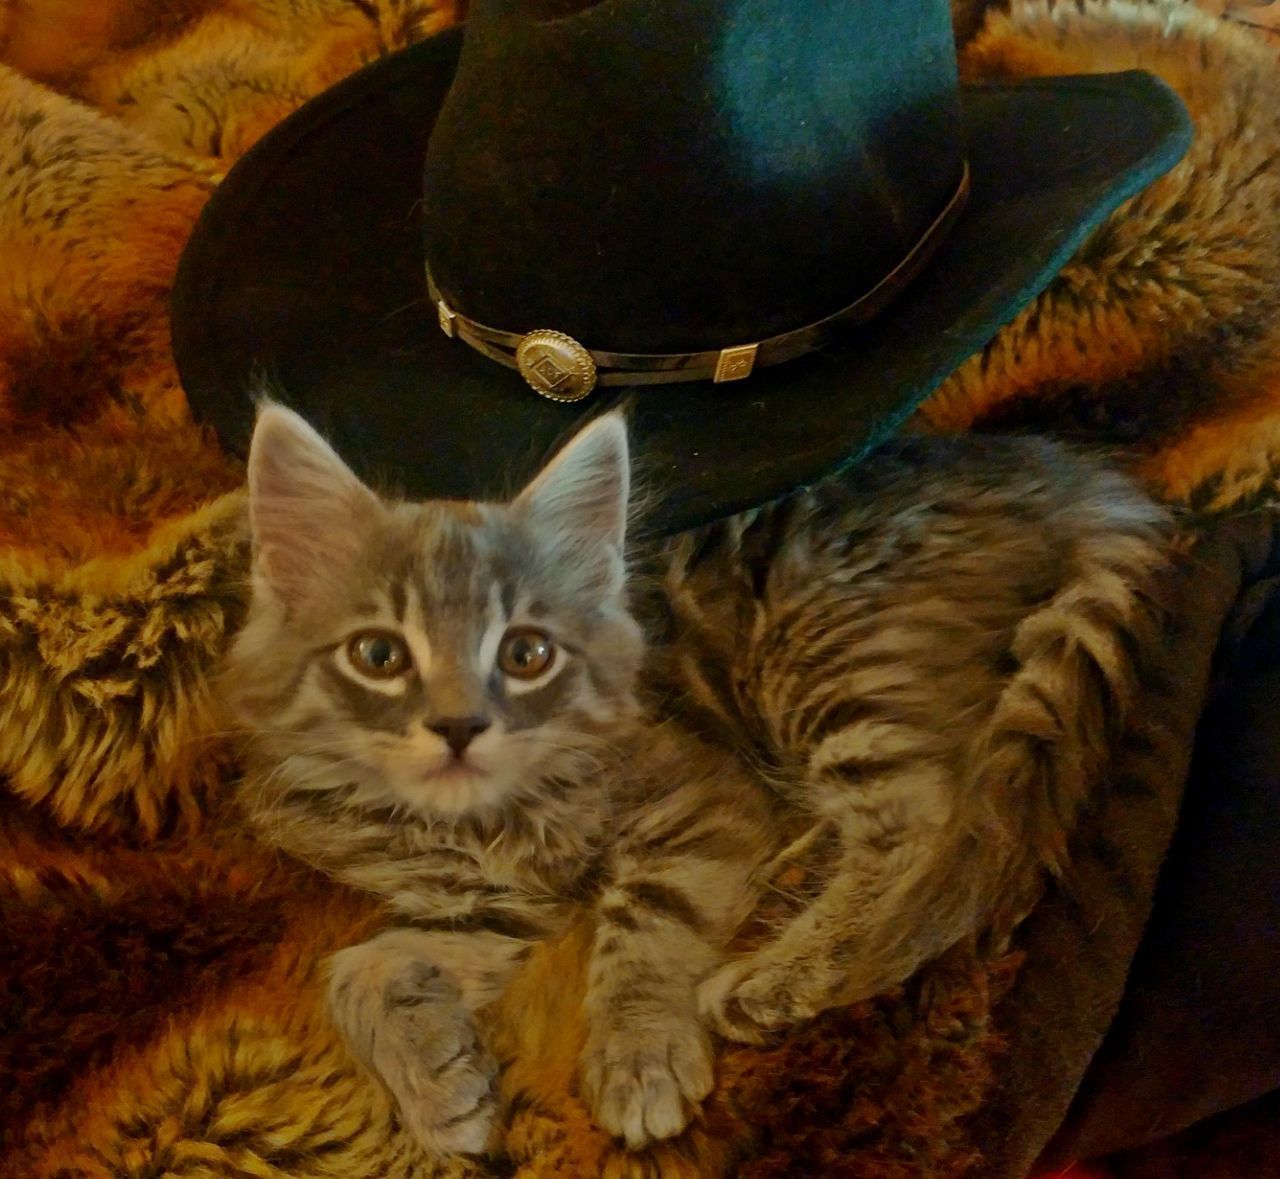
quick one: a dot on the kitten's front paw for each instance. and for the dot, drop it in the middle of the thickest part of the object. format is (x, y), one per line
(747, 999)
(643, 1079)
(434, 1063)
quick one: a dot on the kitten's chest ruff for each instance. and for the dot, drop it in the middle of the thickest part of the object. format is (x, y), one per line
(523, 859)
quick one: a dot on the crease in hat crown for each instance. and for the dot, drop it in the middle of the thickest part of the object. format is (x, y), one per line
(644, 192)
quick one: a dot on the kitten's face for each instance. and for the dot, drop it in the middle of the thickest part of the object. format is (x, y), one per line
(442, 659)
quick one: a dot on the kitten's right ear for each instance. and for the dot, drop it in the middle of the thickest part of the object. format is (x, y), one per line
(307, 510)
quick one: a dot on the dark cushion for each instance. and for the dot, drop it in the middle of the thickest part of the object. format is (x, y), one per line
(1198, 1031)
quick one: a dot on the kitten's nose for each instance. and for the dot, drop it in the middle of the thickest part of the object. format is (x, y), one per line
(459, 731)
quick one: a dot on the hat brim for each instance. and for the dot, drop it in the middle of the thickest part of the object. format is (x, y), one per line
(306, 269)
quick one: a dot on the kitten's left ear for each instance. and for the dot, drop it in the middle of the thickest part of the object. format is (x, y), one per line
(582, 493)
(308, 511)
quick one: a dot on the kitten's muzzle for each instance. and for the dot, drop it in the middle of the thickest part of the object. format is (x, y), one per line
(459, 731)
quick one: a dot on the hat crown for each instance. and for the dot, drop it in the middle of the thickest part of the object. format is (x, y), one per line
(672, 175)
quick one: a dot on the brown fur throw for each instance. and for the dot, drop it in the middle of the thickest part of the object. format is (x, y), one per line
(160, 998)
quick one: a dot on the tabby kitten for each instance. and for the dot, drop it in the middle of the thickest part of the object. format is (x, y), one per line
(907, 678)
(441, 706)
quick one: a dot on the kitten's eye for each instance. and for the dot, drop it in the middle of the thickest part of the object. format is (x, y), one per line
(526, 653)
(378, 654)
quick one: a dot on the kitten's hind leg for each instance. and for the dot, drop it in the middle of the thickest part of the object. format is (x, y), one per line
(863, 935)
(877, 918)
(405, 1016)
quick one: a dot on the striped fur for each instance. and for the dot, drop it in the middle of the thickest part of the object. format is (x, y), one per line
(479, 850)
(927, 658)
(905, 680)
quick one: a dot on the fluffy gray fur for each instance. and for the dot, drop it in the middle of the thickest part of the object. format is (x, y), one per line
(908, 678)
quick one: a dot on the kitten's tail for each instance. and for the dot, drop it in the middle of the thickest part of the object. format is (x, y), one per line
(1079, 664)
(1038, 761)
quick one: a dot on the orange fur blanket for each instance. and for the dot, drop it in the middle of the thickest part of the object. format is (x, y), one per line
(159, 977)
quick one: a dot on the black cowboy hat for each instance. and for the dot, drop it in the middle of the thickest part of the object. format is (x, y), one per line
(775, 228)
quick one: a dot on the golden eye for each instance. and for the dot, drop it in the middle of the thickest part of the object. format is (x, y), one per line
(525, 653)
(378, 654)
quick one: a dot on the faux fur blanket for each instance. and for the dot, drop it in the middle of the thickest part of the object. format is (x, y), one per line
(160, 976)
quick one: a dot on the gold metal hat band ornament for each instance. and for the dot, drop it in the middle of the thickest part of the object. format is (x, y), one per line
(559, 368)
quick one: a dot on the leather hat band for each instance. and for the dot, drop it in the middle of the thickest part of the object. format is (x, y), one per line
(558, 367)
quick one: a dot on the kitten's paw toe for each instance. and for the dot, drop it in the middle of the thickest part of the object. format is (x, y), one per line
(746, 1000)
(770, 1005)
(404, 1018)
(643, 1083)
(451, 1108)
(641, 1107)
(452, 1114)
(719, 1006)
(442, 1076)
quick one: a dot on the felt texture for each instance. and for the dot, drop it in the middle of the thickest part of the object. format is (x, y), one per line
(276, 283)
(160, 990)
(784, 170)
